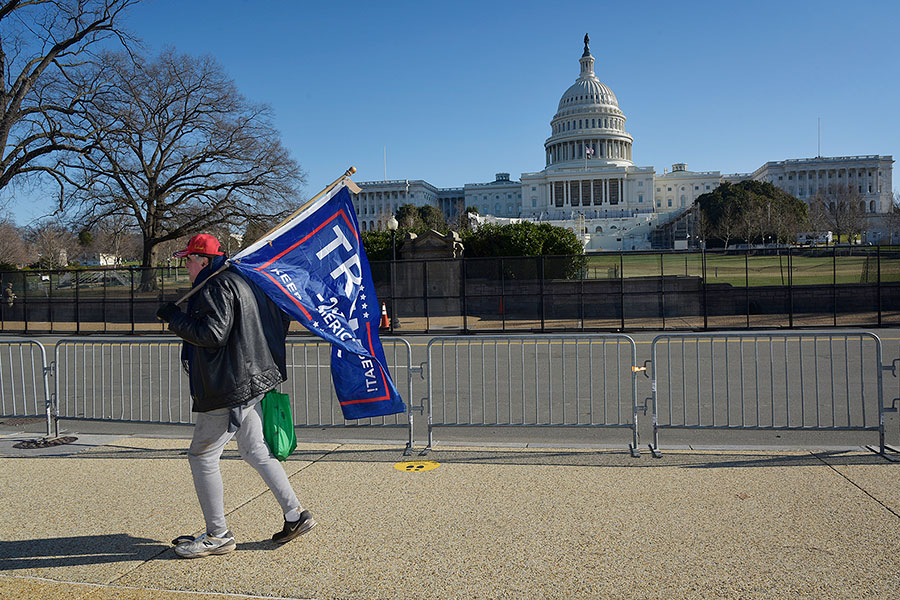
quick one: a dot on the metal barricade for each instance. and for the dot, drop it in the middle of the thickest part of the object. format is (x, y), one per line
(141, 379)
(892, 385)
(792, 381)
(313, 400)
(533, 380)
(121, 379)
(24, 385)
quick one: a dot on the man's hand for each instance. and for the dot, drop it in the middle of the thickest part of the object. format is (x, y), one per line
(166, 311)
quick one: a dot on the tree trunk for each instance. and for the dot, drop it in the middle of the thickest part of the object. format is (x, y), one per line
(148, 273)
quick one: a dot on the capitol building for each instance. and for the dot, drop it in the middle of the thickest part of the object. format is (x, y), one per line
(590, 184)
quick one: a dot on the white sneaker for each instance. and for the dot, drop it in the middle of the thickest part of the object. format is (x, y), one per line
(205, 545)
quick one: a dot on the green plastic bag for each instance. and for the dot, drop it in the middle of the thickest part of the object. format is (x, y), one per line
(278, 424)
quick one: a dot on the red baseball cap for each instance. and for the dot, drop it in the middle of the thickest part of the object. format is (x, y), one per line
(202, 243)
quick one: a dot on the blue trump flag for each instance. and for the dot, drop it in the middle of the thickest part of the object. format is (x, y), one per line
(315, 268)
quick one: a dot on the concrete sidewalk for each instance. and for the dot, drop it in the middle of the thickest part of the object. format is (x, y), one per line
(94, 522)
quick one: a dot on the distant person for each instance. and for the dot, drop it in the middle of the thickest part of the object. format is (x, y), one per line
(234, 353)
(8, 295)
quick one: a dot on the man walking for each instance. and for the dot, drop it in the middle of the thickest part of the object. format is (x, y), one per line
(234, 353)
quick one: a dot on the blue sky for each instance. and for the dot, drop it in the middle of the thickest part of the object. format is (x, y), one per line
(456, 92)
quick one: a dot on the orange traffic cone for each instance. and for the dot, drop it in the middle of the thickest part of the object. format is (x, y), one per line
(385, 323)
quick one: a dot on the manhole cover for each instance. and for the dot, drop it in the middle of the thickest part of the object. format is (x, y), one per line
(417, 466)
(44, 443)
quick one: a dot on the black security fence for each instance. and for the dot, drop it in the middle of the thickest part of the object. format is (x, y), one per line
(677, 290)
(611, 291)
(110, 300)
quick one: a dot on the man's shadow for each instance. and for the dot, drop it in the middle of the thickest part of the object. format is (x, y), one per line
(77, 550)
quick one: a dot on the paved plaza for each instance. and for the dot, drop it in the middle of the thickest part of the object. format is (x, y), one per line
(488, 513)
(93, 520)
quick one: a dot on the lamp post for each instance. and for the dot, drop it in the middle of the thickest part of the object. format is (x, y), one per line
(392, 225)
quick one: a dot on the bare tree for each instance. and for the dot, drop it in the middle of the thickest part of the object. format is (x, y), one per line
(841, 211)
(13, 249)
(179, 150)
(753, 222)
(729, 224)
(787, 225)
(114, 236)
(52, 243)
(891, 219)
(43, 43)
(255, 229)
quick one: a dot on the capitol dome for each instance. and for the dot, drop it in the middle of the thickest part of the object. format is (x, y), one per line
(588, 124)
(588, 91)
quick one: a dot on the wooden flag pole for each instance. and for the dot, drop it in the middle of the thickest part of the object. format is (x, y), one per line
(226, 264)
(308, 203)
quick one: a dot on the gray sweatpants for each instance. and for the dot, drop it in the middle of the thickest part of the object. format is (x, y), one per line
(210, 436)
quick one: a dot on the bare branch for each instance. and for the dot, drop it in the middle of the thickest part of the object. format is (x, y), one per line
(180, 150)
(39, 99)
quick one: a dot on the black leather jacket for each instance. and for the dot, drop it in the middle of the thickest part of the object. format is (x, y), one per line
(237, 338)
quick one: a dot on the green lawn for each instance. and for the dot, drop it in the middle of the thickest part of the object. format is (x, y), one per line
(741, 270)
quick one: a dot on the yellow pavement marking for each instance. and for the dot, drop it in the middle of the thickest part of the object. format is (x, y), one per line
(417, 466)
